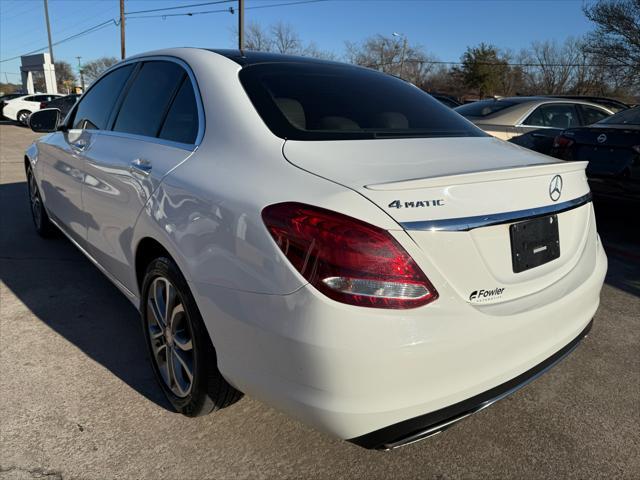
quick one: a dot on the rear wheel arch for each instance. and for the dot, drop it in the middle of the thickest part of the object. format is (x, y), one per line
(148, 249)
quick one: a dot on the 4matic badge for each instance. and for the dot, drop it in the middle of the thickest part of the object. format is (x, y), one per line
(417, 203)
(486, 295)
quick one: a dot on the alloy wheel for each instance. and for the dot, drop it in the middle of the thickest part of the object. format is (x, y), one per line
(34, 197)
(170, 336)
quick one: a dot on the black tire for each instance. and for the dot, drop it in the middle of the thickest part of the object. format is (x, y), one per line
(208, 390)
(41, 221)
(23, 117)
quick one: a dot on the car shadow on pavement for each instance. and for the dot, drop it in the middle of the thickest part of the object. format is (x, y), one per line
(620, 235)
(70, 295)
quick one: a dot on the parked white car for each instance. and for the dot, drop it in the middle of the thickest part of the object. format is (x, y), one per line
(324, 237)
(20, 108)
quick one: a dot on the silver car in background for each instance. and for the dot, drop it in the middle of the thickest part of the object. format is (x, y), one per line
(532, 122)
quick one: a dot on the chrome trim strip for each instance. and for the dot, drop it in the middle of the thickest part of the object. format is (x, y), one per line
(469, 223)
(435, 429)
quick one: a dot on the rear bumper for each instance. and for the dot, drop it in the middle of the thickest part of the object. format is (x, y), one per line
(424, 426)
(376, 377)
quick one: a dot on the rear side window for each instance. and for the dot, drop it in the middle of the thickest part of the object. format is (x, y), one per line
(592, 115)
(626, 117)
(181, 124)
(94, 109)
(553, 116)
(484, 108)
(148, 98)
(325, 101)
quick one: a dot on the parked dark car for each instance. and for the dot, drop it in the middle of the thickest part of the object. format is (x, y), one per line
(532, 122)
(8, 97)
(63, 104)
(610, 103)
(612, 148)
(446, 100)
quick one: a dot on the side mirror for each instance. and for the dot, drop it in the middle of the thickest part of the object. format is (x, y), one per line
(45, 121)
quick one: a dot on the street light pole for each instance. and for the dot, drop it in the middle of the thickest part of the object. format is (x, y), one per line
(81, 74)
(404, 50)
(46, 17)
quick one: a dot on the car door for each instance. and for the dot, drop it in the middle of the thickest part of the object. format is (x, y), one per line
(155, 128)
(546, 122)
(61, 161)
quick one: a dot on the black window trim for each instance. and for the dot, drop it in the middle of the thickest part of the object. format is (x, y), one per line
(583, 115)
(533, 109)
(118, 104)
(71, 116)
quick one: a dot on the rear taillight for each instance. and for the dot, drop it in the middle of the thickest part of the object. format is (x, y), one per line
(562, 142)
(348, 260)
(43, 105)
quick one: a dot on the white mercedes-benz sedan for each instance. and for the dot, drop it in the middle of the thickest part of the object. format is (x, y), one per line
(324, 237)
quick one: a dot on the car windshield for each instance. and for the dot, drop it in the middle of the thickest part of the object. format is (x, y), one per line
(483, 108)
(626, 117)
(316, 101)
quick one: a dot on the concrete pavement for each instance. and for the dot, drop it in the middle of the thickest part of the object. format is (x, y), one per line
(78, 399)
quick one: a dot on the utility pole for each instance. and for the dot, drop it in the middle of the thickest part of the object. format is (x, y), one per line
(46, 17)
(122, 48)
(240, 25)
(81, 74)
(404, 50)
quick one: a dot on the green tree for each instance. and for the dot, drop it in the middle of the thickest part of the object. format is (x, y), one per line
(484, 69)
(65, 78)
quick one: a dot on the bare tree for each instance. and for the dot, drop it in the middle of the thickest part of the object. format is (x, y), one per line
(616, 40)
(256, 38)
(92, 70)
(389, 55)
(285, 39)
(65, 78)
(550, 66)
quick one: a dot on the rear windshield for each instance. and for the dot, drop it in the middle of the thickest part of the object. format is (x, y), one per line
(483, 108)
(626, 117)
(314, 101)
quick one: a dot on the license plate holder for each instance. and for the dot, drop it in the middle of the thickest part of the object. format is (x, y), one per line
(534, 242)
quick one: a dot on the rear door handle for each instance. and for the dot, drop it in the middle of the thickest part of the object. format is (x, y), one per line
(140, 165)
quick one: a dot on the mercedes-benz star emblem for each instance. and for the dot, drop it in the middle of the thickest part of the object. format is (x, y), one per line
(555, 188)
(602, 138)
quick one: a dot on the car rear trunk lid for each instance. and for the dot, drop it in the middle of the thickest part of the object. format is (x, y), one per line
(457, 199)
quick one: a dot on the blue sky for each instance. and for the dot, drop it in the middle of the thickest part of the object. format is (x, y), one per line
(444, 28)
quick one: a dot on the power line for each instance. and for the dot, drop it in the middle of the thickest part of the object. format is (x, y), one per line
(496, 64)
(226, 10)
(89, 30)
(178, 7)
(284, 4)
(112, 21)
(186, 14)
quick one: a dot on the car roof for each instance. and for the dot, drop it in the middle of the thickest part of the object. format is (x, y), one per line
(250, 57)
(521, 106)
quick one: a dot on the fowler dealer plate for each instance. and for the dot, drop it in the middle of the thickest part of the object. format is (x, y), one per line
(534, 242)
